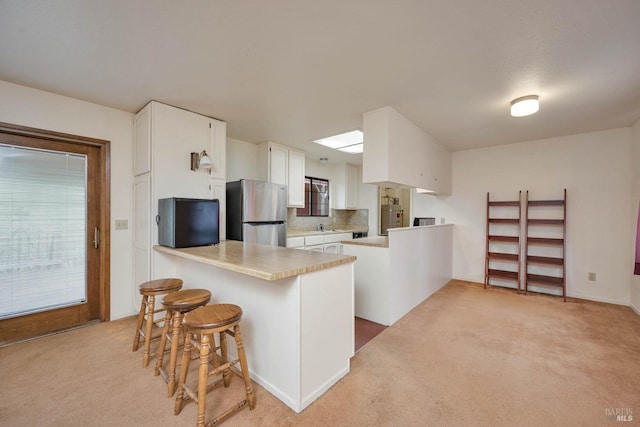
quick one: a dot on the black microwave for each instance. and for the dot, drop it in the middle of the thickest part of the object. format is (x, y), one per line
(417, 221)
(184, 223)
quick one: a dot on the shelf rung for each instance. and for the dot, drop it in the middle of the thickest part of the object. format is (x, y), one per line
(545, 260)
(545, 280)
(503, 274)
(504, 220)
(546, 202)
(505, 203)
(503, 256)
(545, 241)
(511, 239)
(546, 221)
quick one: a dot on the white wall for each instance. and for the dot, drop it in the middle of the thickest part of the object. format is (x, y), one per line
(635, 200)
(34, 108)
(368, 199)
(242, 160)
(595, 168)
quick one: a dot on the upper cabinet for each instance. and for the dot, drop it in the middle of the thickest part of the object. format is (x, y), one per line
(296, 178)
(397, 152)
(165, 137)
(344, 187)
(142, 142)
(284, 165)
(218, 149)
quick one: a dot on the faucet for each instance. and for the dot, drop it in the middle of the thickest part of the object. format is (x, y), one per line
(320, 227)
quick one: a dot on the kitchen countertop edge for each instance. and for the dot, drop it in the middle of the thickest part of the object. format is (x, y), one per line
(258, 260)
(375, 241)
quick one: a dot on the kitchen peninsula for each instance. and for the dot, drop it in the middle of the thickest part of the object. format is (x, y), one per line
(298, 311)
(396, 273)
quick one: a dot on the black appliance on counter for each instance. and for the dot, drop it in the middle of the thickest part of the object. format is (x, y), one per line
(184, 223)
(418, 221)
(359, 234)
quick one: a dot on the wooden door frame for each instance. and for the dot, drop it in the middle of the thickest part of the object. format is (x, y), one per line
(105, 200)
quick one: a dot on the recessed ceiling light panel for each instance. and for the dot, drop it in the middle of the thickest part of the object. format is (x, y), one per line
(343, 141)
(353, 149)
(524, 106)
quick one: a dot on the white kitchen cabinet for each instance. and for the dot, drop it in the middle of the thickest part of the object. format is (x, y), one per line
(278, 164)
(283, 165)
(321, 242)
(218, 149)
(332, 242)
(218, 190)
(142, 223)
(333, 248)
(344, 187)
(400, 153)
(295, 242)
(332, 238)
(165, 136)
(142, 142)
(314, 240)
(296, 178)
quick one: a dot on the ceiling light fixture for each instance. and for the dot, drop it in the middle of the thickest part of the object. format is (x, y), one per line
(524, 106)
(349, 142)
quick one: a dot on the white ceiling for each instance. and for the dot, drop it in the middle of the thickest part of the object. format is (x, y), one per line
(292, 71)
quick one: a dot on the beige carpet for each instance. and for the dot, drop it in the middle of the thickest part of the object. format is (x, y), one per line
(464, 357)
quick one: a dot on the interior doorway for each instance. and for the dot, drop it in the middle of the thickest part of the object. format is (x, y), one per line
(394, 206)
(54, 222)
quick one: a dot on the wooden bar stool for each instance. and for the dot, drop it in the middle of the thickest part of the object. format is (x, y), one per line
(149, 290)
(200, 326)
(177, 304)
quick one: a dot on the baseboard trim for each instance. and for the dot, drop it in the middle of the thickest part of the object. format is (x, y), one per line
(122, 315)
(598, 299)
(575, 296)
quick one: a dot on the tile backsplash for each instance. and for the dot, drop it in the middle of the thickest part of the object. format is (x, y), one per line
(358, 217)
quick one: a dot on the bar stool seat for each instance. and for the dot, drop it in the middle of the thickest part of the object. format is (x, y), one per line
(177, 304)
(200, 326)
(149, 291)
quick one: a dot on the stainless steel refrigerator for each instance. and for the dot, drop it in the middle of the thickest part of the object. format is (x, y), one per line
(390, 217)
(257, 212)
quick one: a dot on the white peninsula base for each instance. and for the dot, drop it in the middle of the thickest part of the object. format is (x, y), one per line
(394, 275)
(298, 331)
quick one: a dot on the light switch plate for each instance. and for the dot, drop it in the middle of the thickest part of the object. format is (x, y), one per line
(122, 224)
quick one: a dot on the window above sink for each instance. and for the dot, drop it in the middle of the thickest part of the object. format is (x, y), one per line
(316, 197)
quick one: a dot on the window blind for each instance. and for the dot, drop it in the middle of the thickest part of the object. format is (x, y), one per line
(42, 230)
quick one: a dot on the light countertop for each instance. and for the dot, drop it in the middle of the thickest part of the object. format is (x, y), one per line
(376, 241)
(262, 261)
(300, 231)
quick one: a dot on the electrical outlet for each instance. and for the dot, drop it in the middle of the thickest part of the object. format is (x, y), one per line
(592, 277)
(441, 220)
(122, 224)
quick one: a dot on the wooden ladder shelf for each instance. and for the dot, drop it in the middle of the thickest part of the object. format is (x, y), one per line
(555, 266)
(503, 240)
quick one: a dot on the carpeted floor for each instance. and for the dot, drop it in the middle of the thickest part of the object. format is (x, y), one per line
(466, 356)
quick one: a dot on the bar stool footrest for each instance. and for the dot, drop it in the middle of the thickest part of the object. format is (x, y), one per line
(230, 411)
